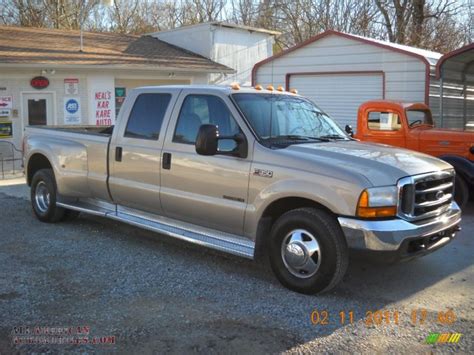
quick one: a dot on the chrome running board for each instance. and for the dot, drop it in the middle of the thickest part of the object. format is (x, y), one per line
(226, 242)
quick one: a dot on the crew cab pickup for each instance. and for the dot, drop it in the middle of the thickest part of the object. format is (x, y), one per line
(247, 171)
(411, 126)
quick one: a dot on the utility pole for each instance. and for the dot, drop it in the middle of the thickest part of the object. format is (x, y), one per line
(81, 24)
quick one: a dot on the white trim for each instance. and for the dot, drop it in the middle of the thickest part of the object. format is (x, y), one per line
(218, 24)
(144, 67)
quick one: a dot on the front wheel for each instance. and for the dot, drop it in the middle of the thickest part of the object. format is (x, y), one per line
(308, 251)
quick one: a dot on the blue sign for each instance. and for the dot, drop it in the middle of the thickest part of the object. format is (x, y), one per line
(72, 106)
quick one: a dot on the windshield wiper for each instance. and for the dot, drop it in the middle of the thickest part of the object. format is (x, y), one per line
(334, 136)
(286, 140)
(295, 137)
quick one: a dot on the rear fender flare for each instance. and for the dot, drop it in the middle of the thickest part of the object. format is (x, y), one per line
(68, 160)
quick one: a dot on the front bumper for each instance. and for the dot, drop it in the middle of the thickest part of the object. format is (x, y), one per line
(404, 238)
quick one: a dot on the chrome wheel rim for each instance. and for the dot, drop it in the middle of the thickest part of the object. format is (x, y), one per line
(42, 197)
(301, 253)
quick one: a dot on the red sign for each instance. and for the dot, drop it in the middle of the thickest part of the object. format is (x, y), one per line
(6, 102)
(39, 82)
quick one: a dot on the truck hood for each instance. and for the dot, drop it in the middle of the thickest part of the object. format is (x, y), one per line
(380, 164)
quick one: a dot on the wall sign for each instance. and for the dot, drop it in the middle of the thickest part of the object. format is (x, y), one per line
(39, 82)
(72, 110)
(100, 91)
(6, 130)
(6, 102)
(5, 112)
(103, 108)
(71, 86)
(120, 94)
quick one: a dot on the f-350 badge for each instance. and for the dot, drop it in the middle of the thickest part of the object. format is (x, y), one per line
(263, 173)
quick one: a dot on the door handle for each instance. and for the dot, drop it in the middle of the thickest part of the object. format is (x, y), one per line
(166, 161)
(118, 153)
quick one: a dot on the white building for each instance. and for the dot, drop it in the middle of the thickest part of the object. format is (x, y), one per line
(46, 79)
(339, 71)
(238, 47)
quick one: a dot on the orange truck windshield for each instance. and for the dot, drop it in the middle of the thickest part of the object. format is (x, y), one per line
(417, 117)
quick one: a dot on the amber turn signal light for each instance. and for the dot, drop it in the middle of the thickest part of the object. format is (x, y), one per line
(365, 211)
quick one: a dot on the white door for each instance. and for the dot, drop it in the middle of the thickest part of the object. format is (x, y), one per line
(37, 109)
(339, 95)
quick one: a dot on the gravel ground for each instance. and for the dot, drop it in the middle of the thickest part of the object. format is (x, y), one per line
(156, 294)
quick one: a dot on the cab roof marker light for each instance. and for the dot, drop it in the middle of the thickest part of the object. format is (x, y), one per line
(293, 91)
(258, 87)
(235, 86)
(270, 88)
(280, 88)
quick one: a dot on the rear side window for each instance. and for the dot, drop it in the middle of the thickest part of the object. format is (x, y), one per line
(147, 116)
(384, 121)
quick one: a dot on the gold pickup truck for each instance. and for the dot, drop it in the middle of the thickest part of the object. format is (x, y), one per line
(248, 171)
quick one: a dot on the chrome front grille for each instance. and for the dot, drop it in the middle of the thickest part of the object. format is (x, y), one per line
(425, 196)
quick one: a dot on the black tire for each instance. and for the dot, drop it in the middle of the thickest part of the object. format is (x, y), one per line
(45, 208)
(461, 191)
(332, 258)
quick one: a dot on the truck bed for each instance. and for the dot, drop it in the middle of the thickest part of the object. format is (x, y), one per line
(78, 155)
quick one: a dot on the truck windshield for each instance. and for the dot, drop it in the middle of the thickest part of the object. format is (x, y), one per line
(276, 117)
(416, 117)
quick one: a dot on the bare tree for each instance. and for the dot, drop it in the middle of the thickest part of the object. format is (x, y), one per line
(198, 11)
(305, 18)
(405, 21)
(28, 13)
(244, 12)
(439, 25)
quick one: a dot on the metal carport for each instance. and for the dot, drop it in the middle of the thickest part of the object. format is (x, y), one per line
(455, 72)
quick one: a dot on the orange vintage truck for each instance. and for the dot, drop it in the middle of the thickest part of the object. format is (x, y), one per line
(410, 125)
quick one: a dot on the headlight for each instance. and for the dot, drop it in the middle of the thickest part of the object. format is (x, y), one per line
(378, 202)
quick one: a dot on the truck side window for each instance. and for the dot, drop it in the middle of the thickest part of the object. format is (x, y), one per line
(147, 116)
(204, 109)
(384, 121)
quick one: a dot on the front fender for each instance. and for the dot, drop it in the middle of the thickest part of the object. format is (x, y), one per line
(338, 196)
(462, 165)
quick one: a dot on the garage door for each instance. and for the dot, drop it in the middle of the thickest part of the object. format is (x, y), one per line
(339, 95)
